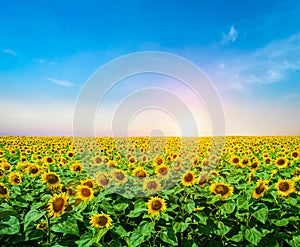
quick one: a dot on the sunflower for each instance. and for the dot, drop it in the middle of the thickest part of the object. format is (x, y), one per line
(101, 221)
(119, 176)
(295, 155)
(33, 170)
(6, 166)
(260, 189)
(70, 154)
(97, 160)
(88, 182)
(4, 192)
(188, 178)
(162, 171)
(48, 160)
(85, 193)
(52, 179)
(42, 226)
(282, 162)
(2, 174)
(203, 179)
(158, 161)
(156, 204)
(102, 179)
(140, 172)
(251, 176)
(285, 187)
(222, 189)
(15, 178)
(235, 160)
(76, 168)
(57, 205)
(254, 165)
(151, 185)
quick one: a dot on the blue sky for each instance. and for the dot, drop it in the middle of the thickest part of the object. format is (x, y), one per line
(250, 50)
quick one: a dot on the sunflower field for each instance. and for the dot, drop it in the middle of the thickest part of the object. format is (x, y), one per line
(149, 191)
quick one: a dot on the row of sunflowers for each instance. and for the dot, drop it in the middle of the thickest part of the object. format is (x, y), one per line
(149, 191)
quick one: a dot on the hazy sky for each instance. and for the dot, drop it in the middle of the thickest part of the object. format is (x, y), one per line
(250, 51)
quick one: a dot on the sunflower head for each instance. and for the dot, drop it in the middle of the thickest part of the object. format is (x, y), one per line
(162, 171)
(155, 205)
(189, 178)
(51, 179)
(260, 189)
(4, 192)
(76, 168)
(140, 172)
(85, 193)
(88, 182)
(151, 185)
(15, 178)
(282, 162)
(2, 174)
(33, 170)
(57, 205)
(101, 221)
(222, 189)
(119, 176)
(102, 179)
(285, 187)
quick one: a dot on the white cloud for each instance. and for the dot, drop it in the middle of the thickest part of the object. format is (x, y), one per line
(60, 82)
(10, 52)
(231, 36)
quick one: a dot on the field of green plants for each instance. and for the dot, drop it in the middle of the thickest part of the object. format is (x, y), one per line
(54, 193)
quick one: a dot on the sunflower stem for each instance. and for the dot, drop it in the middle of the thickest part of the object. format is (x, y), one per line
(48, 231)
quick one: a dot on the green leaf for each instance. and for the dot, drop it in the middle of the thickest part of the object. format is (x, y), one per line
(69, 226)
(100, 234)
(253, 235)
(34, 234)
(261, 215)
(31, 216)
(291, 201)
(238, 237)
(201, 217)
(85, 240)
(180, 226)
(4, 212)
(242, 203)
(136, 238)
(282, 222)
(295, 242)
(169, 236)
(120, 231)
(10, 225)
(227, 208)
(222, 229)
(120, 206)
(189, 206)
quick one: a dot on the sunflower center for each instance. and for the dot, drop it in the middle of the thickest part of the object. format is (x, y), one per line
(77, 168)
(141, 174)
(49, 159)
(235, 160)
(280, 162)
(295, 154)
(260, 189)
(17, 180)
(152, 185)
(34, 170)
(189, 177)
(104, 181)
(102, 220)
(159, 161)
(98, 160)
(3, 190)
(120, 176)
(203, 180)
(88, 184)
(163, 171)
(156, 205)
(284, 186)
(245, 162)
(52, 179)
(254, 165)
(58, 204)
(222, 189)
(85, 192)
